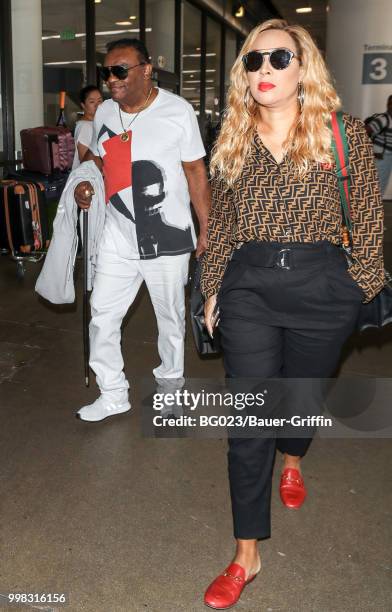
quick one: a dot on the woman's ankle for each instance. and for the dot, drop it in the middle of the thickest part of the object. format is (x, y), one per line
(248, 556)
(291, 461)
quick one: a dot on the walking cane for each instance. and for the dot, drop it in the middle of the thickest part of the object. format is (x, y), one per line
(86, 342)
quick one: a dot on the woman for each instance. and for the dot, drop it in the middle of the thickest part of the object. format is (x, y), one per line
(90, 98)
(287, 301)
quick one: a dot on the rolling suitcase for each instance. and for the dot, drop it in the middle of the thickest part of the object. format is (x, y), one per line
(3, 227)
(5, 185)
(47, 149)
(23, 217)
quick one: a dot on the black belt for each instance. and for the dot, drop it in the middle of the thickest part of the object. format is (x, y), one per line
(285, 256)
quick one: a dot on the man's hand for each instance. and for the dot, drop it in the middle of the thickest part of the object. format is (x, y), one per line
(83, 194)
(369, 130)
(201, 245)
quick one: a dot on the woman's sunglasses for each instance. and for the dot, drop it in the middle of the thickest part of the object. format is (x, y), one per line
(278, 58)
(120, 71)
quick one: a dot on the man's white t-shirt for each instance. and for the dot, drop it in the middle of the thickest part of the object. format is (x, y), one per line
(83, 135)
(148, 204)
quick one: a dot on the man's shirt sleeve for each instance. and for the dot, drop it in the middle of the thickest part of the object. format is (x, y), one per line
(191, 145)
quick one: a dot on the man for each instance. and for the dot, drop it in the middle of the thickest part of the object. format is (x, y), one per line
(379, 129)
(148, 144)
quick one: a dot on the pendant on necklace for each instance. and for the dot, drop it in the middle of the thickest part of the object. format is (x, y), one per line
(124, 137)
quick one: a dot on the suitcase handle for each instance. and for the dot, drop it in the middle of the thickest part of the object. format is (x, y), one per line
(51, 139)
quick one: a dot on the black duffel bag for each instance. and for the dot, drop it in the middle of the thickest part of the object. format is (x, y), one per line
(377, 312)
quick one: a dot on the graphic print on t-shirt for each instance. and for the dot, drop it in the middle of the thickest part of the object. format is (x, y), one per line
(117, 162)
(147, 180)
(154, 235)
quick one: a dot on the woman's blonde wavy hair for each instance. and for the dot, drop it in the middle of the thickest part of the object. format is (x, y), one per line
(309, 138)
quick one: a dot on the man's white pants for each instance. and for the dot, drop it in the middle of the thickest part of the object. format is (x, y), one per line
(116, 285)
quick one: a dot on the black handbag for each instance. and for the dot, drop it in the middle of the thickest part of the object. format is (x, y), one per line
(377, 312)
(205, 345)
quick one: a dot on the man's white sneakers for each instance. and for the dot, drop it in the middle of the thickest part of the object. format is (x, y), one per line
(101, 409)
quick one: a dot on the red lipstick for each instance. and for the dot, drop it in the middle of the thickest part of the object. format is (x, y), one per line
(264, 86)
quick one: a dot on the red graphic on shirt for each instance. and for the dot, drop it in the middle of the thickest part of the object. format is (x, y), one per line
(117, 165)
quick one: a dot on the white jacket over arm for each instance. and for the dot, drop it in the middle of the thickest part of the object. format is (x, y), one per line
(55, 282)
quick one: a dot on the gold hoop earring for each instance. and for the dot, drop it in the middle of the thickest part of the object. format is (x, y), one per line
(301, 95)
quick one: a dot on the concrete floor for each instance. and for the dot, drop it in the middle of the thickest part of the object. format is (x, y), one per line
(124, 523)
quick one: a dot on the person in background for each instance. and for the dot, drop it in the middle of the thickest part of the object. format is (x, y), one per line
(379, 129)
(90, 98)
(273, 266)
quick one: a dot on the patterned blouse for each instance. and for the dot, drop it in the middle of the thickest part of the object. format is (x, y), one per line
(270, 203)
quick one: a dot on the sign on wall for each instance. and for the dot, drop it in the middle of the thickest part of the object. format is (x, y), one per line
(377, 65)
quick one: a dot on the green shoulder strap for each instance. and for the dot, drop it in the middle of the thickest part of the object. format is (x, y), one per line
(340, 151)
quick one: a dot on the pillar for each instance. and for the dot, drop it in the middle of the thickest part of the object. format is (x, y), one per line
(27, 65)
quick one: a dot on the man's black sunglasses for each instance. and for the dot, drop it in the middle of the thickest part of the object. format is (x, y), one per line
(120, 71)
(279, 59)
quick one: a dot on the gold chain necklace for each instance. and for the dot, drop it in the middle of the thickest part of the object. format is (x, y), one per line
(125, 136)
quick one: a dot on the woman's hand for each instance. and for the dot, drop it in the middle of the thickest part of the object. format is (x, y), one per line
(209, 319)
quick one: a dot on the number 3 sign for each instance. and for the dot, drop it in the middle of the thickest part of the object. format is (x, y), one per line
(377, 68)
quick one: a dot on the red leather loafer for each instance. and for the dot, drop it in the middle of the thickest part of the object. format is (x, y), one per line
(292, 488)
(226, 589)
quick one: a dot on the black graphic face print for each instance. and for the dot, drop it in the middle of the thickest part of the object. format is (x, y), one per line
(148, 190)
(154, 235)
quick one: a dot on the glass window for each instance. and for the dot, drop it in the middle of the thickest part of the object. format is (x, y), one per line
(160, 33)
(230, 55)
(191, 55)
(213, 55)
(64, 56)
(115, 19)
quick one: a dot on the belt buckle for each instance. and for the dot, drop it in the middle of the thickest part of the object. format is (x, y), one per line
(283, 261)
